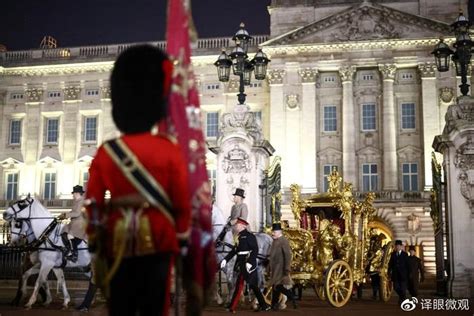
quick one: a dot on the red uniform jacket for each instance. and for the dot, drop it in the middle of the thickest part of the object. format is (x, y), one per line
(164, 161)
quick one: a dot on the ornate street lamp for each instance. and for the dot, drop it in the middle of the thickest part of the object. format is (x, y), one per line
(240, 63)
(462, 54)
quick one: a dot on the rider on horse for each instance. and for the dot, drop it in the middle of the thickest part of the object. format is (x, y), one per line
(74, 232)
(239, 210)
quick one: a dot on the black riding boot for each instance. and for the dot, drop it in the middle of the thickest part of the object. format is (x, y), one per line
(68, 252)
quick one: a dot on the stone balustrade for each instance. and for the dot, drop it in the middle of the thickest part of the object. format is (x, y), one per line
(201, 47)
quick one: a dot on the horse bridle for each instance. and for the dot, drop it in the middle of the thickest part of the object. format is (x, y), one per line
(22, 204)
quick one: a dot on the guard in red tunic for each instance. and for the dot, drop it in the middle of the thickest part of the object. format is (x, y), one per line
(148, 216)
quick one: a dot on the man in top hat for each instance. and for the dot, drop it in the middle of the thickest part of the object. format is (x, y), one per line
(417, 273)
(245, 265)
(75, 231)
(280, 267)
(398, 269)
(239, 209)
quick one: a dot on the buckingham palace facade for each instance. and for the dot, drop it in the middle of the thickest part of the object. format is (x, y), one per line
(351, 85)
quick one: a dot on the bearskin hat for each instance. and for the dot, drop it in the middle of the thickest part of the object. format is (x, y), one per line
(140, 84)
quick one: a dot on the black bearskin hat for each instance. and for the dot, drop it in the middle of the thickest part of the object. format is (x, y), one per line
(140, 83)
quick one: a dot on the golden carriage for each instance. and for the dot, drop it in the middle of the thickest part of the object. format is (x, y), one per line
(334, 249)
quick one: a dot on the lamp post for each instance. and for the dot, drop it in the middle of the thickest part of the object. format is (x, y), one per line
(240, 63)
(461, 56)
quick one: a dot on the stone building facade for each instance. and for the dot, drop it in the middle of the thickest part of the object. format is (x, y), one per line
(351, 85)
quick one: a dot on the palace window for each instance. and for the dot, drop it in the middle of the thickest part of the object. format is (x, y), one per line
(408, 115)
(410, 176)
(16, 96)
(212, 124)
(367, 77)
(330, 118)
(90, 129)
(11, 192)
(369, 177)
(52, 130)
(92, 92)
(327, 169)
(54, 94)
(15, 132)
(49, 191)
(406, 76)
(213, 86)
(85, 179)
(368, 117)
(329, 79)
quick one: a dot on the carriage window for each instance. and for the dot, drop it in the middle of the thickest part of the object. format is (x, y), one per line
(327, 169)
(90, 129)
(15, 132)
(369, 177)
(410, 176)
(12, 186)
(52, 130)
(49, 192)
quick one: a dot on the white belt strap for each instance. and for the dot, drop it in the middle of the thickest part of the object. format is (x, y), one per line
(244, 252)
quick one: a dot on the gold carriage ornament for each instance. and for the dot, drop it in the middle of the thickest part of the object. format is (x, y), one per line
(333, 249)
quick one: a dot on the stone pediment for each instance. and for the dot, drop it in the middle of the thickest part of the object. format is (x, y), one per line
(10, 163)
(409, 153)
(363, 22)
(369, 152)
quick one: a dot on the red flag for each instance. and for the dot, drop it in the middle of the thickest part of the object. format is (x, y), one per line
(185, 124)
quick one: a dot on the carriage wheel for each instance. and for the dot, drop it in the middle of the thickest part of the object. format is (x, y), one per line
(338, 283)
(319, 289)
(386, 286)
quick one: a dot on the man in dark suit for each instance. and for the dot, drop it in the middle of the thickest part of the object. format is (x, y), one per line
(417, 274)
(399, 269)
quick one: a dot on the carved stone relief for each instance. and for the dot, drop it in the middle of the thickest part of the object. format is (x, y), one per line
(446, 95)
(72, 93)
(464, 160)
(427, 70)
(388, 71)
(292, 101)
(233, 85)
(236, 161)
(34, 95)
(308, 75)
(459, 112)
(105, 92)
(276, 76)
(241, 120)
(413, 224)
(347, 73)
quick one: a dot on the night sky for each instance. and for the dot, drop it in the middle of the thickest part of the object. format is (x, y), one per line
(23, 23)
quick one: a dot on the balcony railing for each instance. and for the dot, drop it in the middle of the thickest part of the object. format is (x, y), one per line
(201, 47)
(52, 204)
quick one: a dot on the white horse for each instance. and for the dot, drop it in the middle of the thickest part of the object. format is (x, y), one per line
(223, 247)
(50, 252)
(21, 231)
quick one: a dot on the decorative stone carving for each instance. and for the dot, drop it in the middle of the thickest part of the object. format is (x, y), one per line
(276, 76)
(413, 224)
(464, 160)
(72, 93)
(236, 161)
(366, 24)
(292, 101)
(106, 92)
(388, 71)
(308, 75)
(446, 95)
(233, 86)
(427, 70)
(34, 95)
(347, 72)
(241, 121)
(459, 113)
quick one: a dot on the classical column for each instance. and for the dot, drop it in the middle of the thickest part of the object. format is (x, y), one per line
(431, 126)
(390, 167)
(348, 126)
(308, 139)
(278, 117)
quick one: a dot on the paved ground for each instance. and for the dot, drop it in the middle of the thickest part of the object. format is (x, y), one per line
(309, 305)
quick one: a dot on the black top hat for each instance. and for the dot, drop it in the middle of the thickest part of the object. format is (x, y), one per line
(398, 242)
(239, 192)
(411, 248)
(77, 189)
(276, 226)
